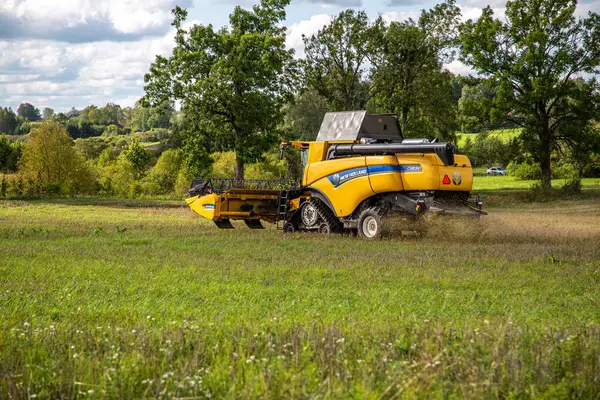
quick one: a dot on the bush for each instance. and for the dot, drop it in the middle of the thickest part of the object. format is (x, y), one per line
(564, 171)
(572, 186)
(223, 165)
(184, 180)
(525, 171)
(154, 135)
(138, 156)
(90, 147)
(592, 168)
(112, 130)
(51, 162)
(162, 177)
(270, 168)
(117, 177)
(135, 189)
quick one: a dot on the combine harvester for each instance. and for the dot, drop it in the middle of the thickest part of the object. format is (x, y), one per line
(358, 174)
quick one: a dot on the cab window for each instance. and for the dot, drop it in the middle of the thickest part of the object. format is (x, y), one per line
(304, 157)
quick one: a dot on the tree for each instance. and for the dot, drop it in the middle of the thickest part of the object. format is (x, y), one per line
(114, 114)
(408, 58)
(28, 112)
(50, 160)
(138, 156)
(47, 114)
(97, 116)
(305, 115)
(475, 106)
(10, 153)
(139, 118)
(61, 118)
(8, 121)
(160, 115)
(533, 58)
(163, 175)
(434, 114)
(232, 82)
(336, 61)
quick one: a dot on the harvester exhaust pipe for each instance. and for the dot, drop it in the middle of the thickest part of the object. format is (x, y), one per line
(445, 151)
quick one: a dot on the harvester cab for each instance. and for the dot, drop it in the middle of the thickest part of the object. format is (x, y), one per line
(358, 173)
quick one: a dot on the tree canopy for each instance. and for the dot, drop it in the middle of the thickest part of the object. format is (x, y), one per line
(50, 160)
(336, 63)
(232, 83)
(28, 112)
(8, 121)
(539, 58)
(408, 71)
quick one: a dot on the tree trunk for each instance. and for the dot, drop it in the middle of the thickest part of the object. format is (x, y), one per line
(239, 168)
(404, 119)
(545, 154)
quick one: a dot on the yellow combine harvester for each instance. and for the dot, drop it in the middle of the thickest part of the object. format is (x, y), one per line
(357, 173)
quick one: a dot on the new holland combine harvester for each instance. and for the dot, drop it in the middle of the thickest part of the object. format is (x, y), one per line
(358, 174)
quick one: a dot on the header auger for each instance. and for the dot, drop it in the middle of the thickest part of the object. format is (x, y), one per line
(357, 173)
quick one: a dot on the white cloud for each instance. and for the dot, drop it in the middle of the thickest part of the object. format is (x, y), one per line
(306, 27)
(80, 52)
(485, 3)
(458, 68)
(399, 16)
(86, 20)
(61, 75)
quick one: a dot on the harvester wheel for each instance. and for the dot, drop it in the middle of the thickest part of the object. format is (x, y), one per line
(369, 224)
(289, 227)
(325, 229)
(309, 214)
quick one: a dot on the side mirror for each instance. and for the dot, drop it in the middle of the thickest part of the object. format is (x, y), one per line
(282, 147)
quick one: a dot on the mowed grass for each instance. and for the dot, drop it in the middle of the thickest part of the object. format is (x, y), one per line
(107, 301)
(508, 182)
(503, 134)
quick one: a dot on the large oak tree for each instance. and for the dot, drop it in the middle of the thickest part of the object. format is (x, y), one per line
(232, 82)
(534, 56)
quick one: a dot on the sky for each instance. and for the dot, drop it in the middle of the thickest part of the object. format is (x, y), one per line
(73, 53)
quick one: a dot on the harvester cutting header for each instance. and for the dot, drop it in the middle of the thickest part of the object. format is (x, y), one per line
(359, 172)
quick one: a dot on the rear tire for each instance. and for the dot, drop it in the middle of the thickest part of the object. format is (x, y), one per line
(369, 224)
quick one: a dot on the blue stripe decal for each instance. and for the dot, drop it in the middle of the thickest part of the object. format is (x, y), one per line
(342, 177)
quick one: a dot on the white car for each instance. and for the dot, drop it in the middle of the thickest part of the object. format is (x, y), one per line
(496, 171)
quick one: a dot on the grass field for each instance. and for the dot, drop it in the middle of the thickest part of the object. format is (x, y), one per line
(503, 134)
(510, 183)
(136, 300)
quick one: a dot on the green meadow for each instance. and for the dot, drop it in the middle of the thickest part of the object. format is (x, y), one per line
(132, 299)
(505, 135)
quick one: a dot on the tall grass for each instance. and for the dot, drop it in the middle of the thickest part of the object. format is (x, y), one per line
(104, 301)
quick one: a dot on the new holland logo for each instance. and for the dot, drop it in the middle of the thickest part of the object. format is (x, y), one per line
(335, 179)
(345, 176)
(456, 178)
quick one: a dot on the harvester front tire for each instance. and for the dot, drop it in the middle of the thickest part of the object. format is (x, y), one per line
(309, 214)
(289, 227)
(369, 224)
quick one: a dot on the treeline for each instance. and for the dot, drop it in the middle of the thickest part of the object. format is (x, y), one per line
(242, 91)
(90, 121)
